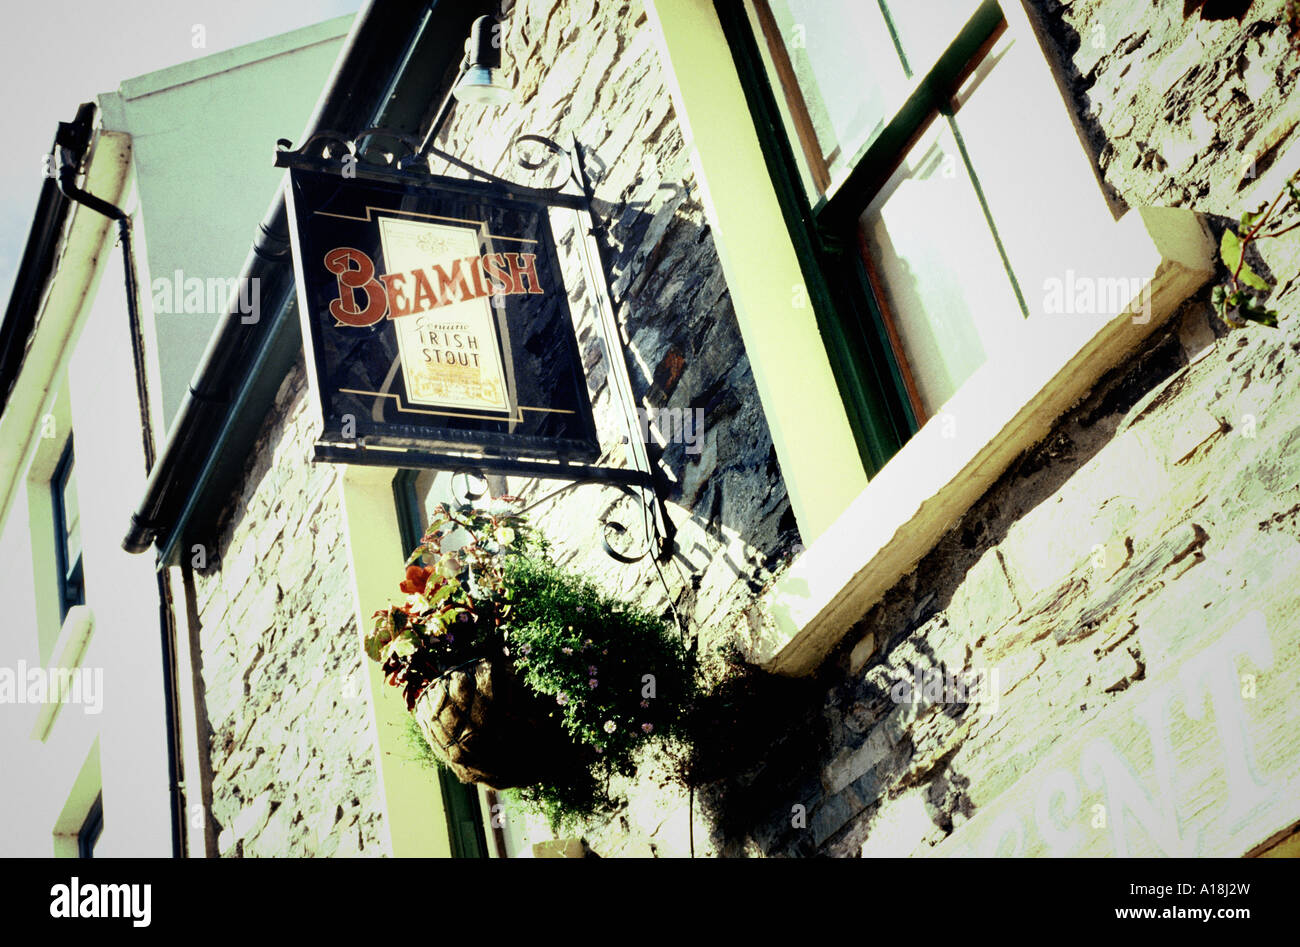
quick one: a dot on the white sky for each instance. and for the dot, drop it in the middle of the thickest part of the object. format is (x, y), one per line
(56, 54)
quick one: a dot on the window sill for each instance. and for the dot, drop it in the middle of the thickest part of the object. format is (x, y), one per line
(1005, 408)
(70, 648)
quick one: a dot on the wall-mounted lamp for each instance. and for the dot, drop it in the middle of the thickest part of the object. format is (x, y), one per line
(482, 81)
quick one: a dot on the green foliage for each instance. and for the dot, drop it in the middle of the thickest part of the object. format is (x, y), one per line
(417, 746)
(480, 585)
(616, 671)
(456, 598)
(1240, 299)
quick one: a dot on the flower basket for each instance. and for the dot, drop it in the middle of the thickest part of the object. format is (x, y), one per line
(488, 728)
(522, 676)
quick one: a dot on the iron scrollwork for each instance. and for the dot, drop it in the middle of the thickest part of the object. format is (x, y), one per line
(335, 151)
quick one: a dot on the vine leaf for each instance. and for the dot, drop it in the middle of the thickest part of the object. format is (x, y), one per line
(1253, 279)
(1230, 250)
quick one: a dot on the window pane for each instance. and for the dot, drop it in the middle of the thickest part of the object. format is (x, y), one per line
(925, 28)
(71, 511)
(839, 72)
(941, 276)
(1049, 180)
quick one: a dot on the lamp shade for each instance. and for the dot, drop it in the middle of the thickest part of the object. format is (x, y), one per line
(482, 85)
(482, 81)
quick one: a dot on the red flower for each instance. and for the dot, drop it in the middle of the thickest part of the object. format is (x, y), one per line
(416, 578)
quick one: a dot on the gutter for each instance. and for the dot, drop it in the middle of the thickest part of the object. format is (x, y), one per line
(359, 87)
(37, 265)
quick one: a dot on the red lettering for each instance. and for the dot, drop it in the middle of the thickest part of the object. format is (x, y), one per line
(521, 265)
(354, 270)
(494, 264)
(458, 279)
(398, 304)
(424, 296)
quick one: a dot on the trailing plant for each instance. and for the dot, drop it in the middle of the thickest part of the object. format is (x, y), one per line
(610, 674)
(1240, 299)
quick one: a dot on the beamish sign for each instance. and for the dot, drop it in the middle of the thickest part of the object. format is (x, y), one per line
(436, 317)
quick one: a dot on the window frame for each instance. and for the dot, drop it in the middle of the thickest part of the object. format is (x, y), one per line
(92, 827)
(1009, 405)
(860, 334)
(70, 576)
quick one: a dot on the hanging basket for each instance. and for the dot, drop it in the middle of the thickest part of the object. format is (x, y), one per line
(489, 728)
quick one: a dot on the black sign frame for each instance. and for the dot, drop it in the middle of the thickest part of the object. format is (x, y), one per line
(364, 382)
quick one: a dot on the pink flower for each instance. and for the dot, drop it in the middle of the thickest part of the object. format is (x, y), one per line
(591, 669)
(647, 727)
(567, 650)
(610, 726)
(645, 703)
(562, 699)
(592, 683)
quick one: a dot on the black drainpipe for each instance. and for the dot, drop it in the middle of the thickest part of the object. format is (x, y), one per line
(71, 145)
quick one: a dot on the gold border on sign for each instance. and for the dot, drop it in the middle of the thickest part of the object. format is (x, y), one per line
(504, 416)
(410, 213)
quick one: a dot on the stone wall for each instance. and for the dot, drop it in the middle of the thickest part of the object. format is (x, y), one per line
(293, 743)
(276, 610)
(591, 70)
(1148, 527)
(1127, 591)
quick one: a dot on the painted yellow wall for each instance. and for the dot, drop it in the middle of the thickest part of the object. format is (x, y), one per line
(417, 820)
(805, 411)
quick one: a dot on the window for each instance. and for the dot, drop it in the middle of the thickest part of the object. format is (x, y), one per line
(91, 829)
(905, 133)
(67, 532)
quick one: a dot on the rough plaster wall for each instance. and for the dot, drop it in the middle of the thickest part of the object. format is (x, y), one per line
(1153, 520)
(292, 748)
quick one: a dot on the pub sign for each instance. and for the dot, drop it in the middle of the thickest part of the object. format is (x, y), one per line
(436, 318)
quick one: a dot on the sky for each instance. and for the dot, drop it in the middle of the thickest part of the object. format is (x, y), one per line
(56, 54)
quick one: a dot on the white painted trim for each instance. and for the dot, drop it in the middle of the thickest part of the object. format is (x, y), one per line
(1005, 408)
(74, 638)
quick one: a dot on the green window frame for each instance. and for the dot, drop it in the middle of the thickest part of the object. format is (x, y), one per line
(879, 398)
(91, 829)
(72, 588)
